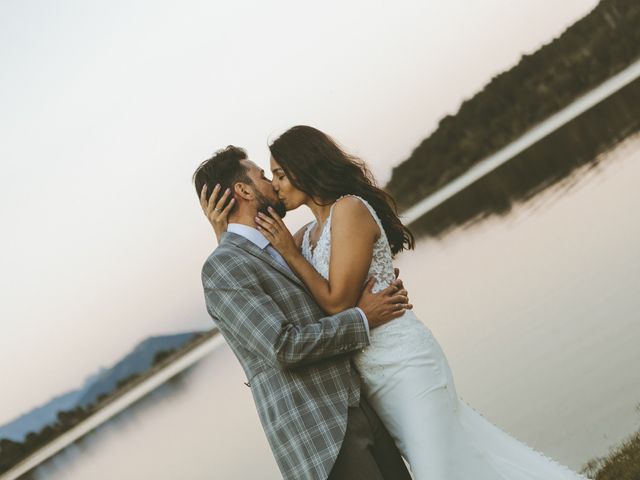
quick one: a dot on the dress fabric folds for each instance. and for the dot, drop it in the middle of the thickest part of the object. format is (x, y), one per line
(407, 379)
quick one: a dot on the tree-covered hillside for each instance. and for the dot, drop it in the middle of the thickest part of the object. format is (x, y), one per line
(593, 49)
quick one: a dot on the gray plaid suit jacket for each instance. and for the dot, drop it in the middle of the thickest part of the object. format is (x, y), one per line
(295, 356)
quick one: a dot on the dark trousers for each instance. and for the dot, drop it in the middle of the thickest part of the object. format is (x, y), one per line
(368, 451)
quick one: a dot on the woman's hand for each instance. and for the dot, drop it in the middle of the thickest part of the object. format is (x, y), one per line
(274, 230)
(217, 216)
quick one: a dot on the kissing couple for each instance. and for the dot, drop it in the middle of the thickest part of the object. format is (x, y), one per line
(346, 379)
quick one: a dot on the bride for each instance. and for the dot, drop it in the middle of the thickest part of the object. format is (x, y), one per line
(405, 374)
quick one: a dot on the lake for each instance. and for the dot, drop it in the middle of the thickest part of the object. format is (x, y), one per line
(538, 312)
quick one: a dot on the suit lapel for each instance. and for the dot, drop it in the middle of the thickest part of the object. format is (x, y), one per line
(261, 254)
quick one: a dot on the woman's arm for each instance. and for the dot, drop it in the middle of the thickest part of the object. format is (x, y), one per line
(353, 234)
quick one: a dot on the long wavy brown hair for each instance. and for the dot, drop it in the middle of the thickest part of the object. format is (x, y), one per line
(318, 166)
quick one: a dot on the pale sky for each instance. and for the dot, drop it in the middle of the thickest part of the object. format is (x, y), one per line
(109, 106)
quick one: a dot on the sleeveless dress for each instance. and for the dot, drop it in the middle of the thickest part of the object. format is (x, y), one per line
(407, 379)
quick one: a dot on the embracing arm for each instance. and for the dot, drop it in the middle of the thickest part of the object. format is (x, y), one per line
(353, 234)
(256, 322)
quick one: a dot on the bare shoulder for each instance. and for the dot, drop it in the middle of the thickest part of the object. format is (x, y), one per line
(351, 211)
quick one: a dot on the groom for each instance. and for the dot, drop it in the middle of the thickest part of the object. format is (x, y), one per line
(296, 358)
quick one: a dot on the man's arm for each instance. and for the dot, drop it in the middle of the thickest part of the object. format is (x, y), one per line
(257, 322)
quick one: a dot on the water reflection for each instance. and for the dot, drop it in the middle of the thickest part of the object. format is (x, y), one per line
(537, 312)
(201, 426)
(552, 161)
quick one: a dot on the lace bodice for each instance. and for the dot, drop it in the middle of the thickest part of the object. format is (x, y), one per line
(381, 263)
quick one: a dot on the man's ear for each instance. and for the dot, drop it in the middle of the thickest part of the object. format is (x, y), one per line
(242, 190)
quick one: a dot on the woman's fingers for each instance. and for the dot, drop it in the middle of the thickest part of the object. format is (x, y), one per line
(227, 209)
(266, 222)
(275, 216)
(213, 197)
(266, 218)
(263, 225)
(222, 200)
(267, 233)
(203, 197)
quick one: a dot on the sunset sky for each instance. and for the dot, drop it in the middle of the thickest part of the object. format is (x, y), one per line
(109, 106)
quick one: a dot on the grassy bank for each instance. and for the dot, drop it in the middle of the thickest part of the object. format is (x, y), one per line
(622, 464)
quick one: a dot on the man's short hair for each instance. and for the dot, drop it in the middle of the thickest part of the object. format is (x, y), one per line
(223, 167)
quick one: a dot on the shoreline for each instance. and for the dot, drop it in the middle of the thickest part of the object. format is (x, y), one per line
(181, 360)
(622, 462)
(118, 402)
(540, 131)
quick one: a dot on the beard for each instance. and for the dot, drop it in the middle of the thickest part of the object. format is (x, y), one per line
(264, 203)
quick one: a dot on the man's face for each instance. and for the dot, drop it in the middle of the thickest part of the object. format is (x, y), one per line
(266, 196)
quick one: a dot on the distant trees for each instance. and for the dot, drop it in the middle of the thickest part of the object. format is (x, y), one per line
(102, 397)
(127, 381)
(12, 452)
(163, 355)
(593, 49)
(545, 164)
(9, 452)
(70, 418)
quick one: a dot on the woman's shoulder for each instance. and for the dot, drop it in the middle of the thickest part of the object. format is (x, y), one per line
(350, 202)
(352, 205)
(355, 211)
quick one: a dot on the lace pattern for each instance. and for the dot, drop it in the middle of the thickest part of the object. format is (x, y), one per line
(381, 263)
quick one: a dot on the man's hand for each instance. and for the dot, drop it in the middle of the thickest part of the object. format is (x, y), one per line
(386, 305)
(398, 283)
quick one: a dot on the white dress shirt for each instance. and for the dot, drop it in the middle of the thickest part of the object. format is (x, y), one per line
(255, 237)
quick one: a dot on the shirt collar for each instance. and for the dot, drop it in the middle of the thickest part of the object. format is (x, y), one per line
(249, 233)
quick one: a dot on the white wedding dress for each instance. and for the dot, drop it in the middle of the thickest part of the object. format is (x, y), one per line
(407, 379)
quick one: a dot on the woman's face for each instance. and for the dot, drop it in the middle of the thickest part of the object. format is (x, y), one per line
(288, 194)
